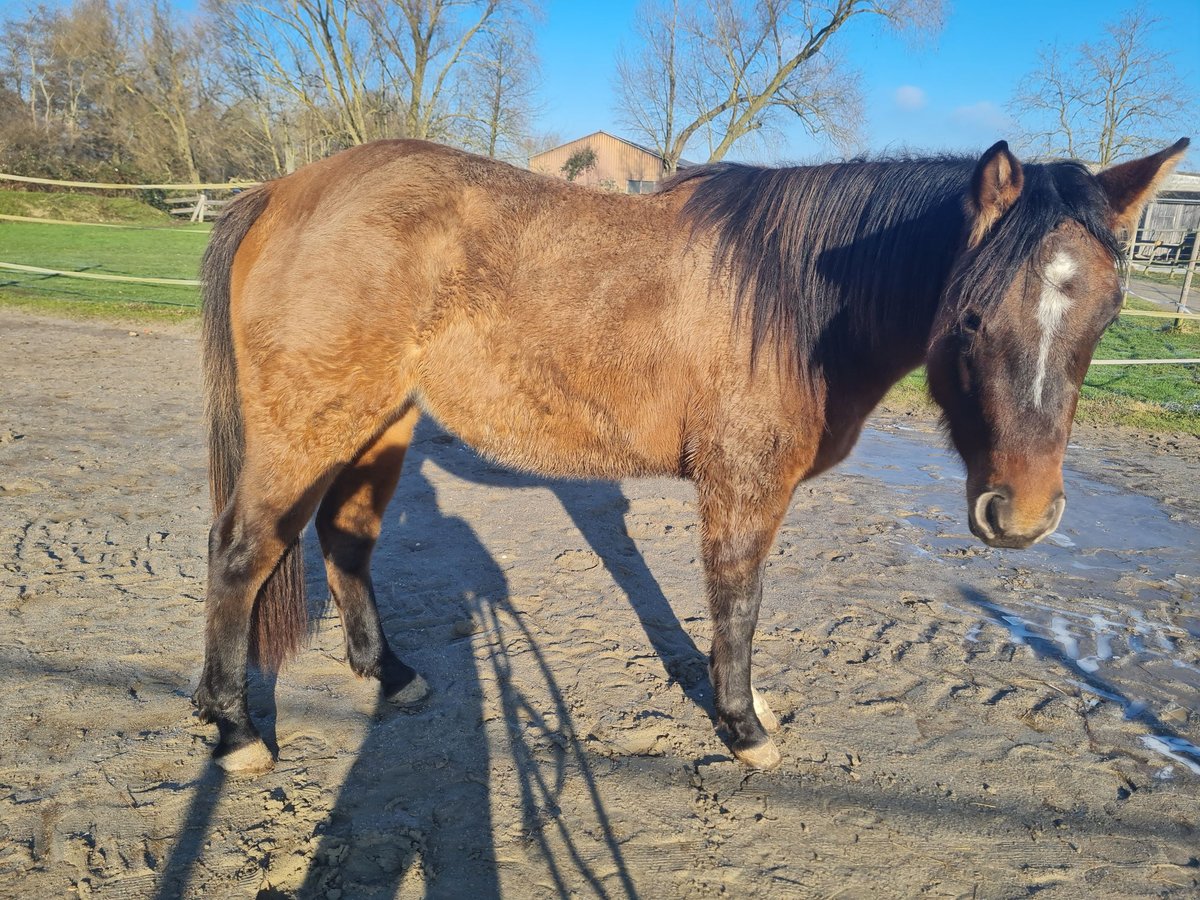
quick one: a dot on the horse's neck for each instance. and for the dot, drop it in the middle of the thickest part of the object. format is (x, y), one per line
(887, 332)
(884, 330)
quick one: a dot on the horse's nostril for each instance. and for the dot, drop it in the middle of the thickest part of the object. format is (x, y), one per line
(986, 514)
(992, 511)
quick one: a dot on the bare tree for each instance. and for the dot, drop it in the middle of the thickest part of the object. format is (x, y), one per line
(59, 69)
(648, 80)
(530, 145)
(59, 58)
(279, 127)
(423, 45)
(167, 84)
(726, 69)
(1104, 101)
(498, 91)
(108, 89)
(364, 69)
(318, 53)
(261, 117)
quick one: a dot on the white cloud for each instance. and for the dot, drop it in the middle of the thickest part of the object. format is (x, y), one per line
(910, 97)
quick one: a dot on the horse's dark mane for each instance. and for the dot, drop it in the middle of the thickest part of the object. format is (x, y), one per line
(858, 254)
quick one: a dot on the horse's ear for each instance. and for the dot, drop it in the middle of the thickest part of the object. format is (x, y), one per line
(995, 187)
(1130, 185)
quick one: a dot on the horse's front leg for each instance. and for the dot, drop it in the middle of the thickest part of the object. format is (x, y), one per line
(739, 526)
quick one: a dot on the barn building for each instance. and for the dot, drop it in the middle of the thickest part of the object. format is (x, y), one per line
(1177, 206)
(1167, 232)
(620, 165)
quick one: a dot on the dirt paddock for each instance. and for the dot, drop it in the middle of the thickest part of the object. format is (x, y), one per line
(957, 721)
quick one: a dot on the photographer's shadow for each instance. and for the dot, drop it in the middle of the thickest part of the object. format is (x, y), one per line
(415, 810)
(413, 814)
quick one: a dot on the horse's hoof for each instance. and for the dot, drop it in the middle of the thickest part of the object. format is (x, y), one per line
(762, 756)
(414, 692)
(249, 759)
(766, 717)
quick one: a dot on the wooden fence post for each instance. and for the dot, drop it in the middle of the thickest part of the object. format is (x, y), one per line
(1129, 269)
(1181, 306)
(198, 213)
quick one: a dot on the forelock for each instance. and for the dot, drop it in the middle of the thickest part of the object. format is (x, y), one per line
(1053, 193)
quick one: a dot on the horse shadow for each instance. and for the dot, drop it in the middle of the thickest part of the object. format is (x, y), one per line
(597, 509)
(414, 806)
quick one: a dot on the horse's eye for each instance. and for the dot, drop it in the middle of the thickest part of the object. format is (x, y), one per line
(971, 322)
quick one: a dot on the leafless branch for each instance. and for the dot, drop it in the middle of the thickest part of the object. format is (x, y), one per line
(726, 69)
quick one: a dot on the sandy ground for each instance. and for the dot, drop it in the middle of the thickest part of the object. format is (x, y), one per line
(958, 721)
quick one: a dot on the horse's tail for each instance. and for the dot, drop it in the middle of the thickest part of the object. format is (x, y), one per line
(280, 618)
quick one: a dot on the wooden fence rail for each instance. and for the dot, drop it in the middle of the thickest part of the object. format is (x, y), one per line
(1145, 362)
(99, 276)
(1160, 314)
(38, 220)
(100, 185)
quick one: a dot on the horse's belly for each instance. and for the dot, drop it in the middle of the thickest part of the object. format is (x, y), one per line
(538, 412)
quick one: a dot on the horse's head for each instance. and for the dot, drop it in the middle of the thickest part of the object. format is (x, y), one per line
(1032, 291)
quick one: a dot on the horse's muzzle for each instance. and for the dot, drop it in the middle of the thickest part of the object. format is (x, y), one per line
(995, 519)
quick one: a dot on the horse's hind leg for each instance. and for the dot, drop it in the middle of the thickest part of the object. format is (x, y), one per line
(348, 524)
(739, 522)
(267, 511)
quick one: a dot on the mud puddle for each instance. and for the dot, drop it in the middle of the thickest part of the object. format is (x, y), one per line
(1111, 595)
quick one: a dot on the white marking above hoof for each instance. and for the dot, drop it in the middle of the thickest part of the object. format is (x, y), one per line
(766, 717)
(413, 692)
(765, 756)
(250, 759)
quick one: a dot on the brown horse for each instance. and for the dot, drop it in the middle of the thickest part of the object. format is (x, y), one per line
(734, 329)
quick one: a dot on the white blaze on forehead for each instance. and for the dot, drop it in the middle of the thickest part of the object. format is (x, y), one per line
(1051, 309)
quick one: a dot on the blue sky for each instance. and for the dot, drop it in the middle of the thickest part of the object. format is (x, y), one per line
(964, 75)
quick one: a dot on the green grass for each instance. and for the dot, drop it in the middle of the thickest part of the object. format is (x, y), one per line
(1158, 398)
(131, 312)
(1161, 272)
(911, 392)
(1172, 277)
(81, 208)
(159, 247)
(114, 251)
